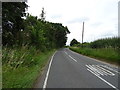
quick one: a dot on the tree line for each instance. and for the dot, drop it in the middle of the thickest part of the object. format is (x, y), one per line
(20, 28)
(113, 42)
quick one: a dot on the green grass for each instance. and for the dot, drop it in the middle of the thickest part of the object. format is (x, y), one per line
(106, 54)
(21, 66)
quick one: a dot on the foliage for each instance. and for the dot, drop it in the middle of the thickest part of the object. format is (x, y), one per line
(107, 54)
(21, 66)
(44, 35)
(31, 30)
(73, 42)
(113, 42)
(12, 21)
(107, 48)
(43, 15)
(27, 44)
(106, 43)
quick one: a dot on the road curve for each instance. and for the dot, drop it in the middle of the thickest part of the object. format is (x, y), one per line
(68, 69)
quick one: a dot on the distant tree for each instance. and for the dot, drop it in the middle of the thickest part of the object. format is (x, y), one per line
(43, 15)
(73, 42)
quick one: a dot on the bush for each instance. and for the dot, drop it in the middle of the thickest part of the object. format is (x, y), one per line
(108, 54)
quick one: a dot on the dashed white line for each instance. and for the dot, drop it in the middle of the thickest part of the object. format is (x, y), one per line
(71, 57)
(66, 53)
(45, 82)
(96, 72)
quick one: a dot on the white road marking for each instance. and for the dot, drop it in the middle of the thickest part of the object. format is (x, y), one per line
(66, 53)
(100, 70)
(110, 73)
(45, 82)
(95, 59)
(71, 57)
(110, 69)
(97, 71)
(93, 72)
(94, 69)
(102, 79)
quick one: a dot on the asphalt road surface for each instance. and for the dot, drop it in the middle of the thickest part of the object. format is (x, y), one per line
(68, 69)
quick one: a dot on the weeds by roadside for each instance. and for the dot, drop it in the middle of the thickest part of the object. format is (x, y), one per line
(106, 54)
(21, 66)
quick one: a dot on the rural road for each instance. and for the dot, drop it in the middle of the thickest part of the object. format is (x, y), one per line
(68, 69)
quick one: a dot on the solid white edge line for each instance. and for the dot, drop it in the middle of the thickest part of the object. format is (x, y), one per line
(45, 82)
(103, 79)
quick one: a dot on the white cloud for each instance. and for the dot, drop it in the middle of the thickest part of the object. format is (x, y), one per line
(100, 16)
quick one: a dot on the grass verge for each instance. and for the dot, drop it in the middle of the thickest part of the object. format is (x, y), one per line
(107, 54)
(21, 66)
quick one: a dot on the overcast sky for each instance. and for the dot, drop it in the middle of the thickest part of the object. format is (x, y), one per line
(100, 16)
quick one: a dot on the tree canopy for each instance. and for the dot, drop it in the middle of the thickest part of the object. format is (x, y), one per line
(12, 21)
(73, 42)
(31, 30)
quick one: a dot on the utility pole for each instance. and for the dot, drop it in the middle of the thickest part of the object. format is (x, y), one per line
(119, 19)
(82, 34)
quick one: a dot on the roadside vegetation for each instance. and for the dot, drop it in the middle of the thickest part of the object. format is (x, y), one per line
(28, 43)
(107, 49)
(21, 66)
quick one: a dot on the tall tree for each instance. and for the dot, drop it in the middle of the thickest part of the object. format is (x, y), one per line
(12, 21)
(43, 15)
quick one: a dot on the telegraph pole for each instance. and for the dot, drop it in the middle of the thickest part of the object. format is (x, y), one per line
(82, 34)
(119, 19)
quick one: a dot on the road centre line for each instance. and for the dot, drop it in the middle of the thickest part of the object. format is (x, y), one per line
(97, 73)
(102, 79)
(46, 78)
(66, 52)
(71, 57)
